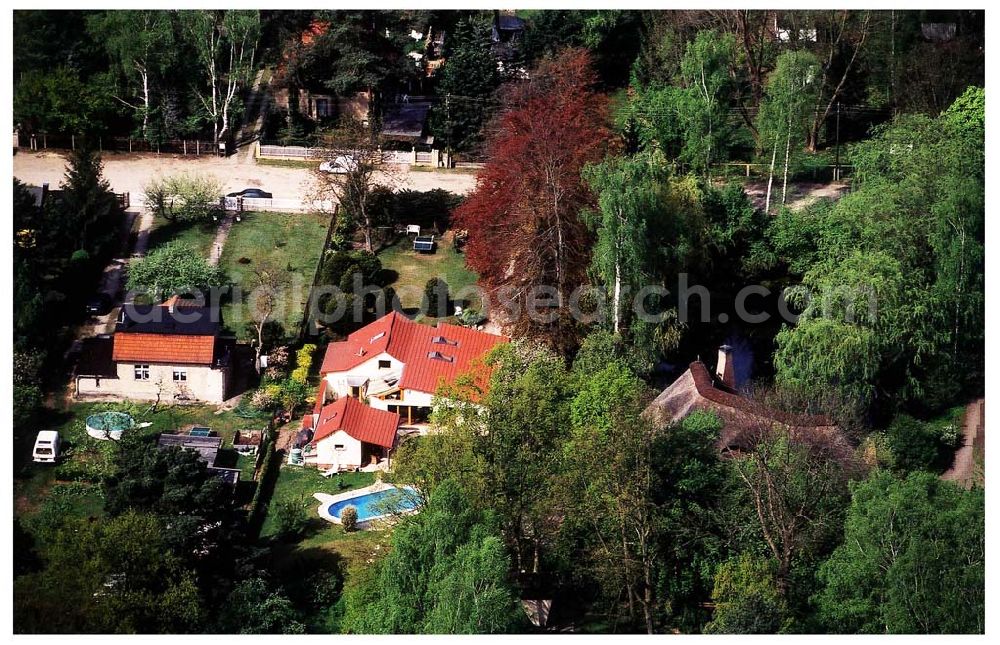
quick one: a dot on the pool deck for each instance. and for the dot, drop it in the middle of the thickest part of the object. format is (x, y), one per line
(325, 500)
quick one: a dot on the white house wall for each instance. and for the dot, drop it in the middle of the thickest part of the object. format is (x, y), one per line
(327, 455)
(337, 382)
(203, 384)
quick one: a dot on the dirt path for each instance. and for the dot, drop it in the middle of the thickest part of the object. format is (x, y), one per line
(219, 243)
(963, 469)
(800, 195)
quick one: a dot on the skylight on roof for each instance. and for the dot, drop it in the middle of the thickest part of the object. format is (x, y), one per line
(377, 336)
(438, 356)
(441, 340)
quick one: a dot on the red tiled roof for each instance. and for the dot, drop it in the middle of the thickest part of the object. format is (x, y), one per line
(358, 420)
(412, 344)
(320, 397)
(163, 348)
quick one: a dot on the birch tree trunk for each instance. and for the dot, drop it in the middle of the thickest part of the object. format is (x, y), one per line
(788, 150)
(770, 176)
(145, 97)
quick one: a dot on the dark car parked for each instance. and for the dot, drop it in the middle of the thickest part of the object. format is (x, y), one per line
(99, 304)
(253, 193)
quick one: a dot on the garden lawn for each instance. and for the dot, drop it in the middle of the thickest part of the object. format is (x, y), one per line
(299, 483)
(412, 270)
(291, 242)
(87, 456)
(198, 235)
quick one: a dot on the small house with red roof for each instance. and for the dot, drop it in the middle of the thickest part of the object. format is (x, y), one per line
(170, 352)
(348, 434)
(397, 365)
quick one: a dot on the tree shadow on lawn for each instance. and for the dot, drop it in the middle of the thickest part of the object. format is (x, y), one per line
(183, 231)
(386, 276)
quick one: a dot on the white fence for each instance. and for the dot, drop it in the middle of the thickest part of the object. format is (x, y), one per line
(290, 152)
(277, 205)
(433, 158)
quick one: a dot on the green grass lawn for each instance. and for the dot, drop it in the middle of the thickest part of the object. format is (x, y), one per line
(299, 483)
(197, 235)
(291, 242)
(412, 270)
(289, 163)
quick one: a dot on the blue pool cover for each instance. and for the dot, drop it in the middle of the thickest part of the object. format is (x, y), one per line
(384, 502)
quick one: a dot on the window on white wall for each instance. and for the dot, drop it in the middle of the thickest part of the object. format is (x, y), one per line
(142, 372)
(384, 365)
(338, 446)
(180, 375)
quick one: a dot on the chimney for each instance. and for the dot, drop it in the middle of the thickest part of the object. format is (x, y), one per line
(724, 369)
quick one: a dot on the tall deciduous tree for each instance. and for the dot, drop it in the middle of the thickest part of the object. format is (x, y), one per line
(523, 219)
(794, 491)
(353, 186)
(627, 195)
(141, 44)
(784, 119)
(446, 572)
(706, 98)
(225, 43)
(268, 283)
(912, 560)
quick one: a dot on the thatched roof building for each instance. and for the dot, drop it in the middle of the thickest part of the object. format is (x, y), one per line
(743, 418)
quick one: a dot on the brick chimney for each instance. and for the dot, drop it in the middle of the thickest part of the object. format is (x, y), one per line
(724, 369)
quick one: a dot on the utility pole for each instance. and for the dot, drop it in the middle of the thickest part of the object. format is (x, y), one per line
(447, 111)
(836, 172)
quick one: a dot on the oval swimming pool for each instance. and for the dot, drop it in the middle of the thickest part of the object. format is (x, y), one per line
(374, 505)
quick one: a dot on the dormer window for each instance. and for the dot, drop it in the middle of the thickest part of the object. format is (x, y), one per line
(441, 340)
(438, 356)
(376, 337)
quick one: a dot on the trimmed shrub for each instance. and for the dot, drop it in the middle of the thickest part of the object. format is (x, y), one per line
(436, 298)
(349, 518)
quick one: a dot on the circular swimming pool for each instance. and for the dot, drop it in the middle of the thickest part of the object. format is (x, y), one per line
(109, 425)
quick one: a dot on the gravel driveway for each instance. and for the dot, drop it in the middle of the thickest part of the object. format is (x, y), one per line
(130, 172)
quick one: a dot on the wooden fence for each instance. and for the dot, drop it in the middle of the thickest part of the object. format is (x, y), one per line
(45, 141)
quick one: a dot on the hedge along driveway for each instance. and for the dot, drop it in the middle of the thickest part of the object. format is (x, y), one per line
(292, 242)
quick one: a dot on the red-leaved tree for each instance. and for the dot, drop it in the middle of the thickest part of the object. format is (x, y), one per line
(523, 219)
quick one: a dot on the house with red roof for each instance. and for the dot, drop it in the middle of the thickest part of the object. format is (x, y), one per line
(382, 379)
(398, 365)
(170, 352)
(348, 434)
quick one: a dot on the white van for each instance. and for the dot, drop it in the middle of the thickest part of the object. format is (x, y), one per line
(46, 447)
